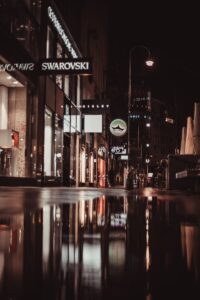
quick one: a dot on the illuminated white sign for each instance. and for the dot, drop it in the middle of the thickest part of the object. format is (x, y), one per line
(66, 66)
(124, 157)
(93, 123)
(52, 16)
(118, 127)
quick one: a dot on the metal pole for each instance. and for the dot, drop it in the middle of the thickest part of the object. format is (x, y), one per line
(129, 106)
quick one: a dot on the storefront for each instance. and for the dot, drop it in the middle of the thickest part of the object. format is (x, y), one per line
(36, 97)
(17, 129)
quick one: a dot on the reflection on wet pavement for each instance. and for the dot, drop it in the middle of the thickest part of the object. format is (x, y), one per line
(126, 247)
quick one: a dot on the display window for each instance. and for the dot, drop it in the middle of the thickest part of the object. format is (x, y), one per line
(58, 155)
(13, 126)
(48, 138)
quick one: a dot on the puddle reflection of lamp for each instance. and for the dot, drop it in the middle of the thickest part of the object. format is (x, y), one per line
(5, 138)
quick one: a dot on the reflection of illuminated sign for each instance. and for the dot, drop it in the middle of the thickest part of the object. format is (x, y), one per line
(118, 150)
(124, 157)
(19, 66)
(118, 127)
(118, 220)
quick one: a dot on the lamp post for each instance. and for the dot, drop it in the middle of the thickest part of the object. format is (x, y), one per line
(149, 62)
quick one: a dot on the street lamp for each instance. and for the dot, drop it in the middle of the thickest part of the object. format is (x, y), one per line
(149, 62)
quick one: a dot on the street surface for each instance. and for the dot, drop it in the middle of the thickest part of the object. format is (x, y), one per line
(88, 243)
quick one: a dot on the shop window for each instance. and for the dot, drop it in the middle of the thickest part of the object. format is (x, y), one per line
(58, 139)
(66, 82)
(50, 43)
(66, 85)
(13, 129)
(78, 91)
(48, 166)
(59, 54)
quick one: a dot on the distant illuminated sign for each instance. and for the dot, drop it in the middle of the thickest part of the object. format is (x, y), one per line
(57, 25)
(118, 127)
(118, 150)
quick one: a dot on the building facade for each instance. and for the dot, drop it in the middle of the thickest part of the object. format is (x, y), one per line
(41, 128)
(40, 122)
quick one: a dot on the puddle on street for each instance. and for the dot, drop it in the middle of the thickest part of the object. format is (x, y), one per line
(104, 248)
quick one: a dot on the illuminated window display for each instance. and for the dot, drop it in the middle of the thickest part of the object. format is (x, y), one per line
(13, 115)
(58, 148)
(48, 143)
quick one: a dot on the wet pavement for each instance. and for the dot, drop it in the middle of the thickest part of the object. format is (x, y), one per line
(78, 244)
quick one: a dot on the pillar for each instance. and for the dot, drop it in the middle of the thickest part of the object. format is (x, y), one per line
(196, 130)
(189, 145)
(183, 140)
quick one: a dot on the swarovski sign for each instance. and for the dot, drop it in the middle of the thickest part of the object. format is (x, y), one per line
(68, 66)
(52, 16)
(49, 66)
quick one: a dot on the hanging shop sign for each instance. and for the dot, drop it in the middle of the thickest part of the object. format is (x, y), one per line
(49, 66)
(62, 33)
(118, 150)
(65, 66)
(118, 127)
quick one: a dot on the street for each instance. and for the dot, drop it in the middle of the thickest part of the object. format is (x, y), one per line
(87, 243)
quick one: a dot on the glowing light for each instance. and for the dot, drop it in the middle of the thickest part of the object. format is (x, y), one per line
(149, 62)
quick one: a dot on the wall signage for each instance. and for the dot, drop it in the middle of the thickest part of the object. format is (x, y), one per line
(118, 150)
(118, 127)
(57, 25)
(50, 66)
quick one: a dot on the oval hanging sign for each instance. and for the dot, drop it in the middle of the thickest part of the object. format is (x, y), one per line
(118, 127)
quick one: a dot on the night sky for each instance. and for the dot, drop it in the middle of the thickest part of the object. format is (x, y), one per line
(171, 33)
